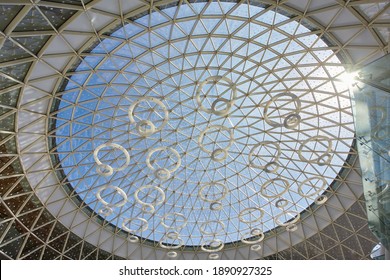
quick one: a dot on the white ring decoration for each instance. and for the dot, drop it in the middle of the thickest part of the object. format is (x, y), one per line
(281, 203)
(147, 187)
(381, 132)
(104, 170)
(229, 103)
(319, 138)
(205, 224)
(264, 144)
(291, 228)
(217, 152)
(379, 121)
(217, 128)
(223, 112)
(162, 174)
(213, 256)
(173, 151)
(268, 167)
(321, 199)
(157, 102)
(171, 254)
(105, 211)
(256, 247)
(324, 159)
(172, 235)
(296, 216)
(213, 245)
(145, 209)
(294, 99)
(248, 211)
(145, 128)
(316, 189)
(171, 246)
(133, 239)
(256, 231)
(223, 193)
(142, 228)
(168, 215)
(266, 184)
(216, 206)
(116, 146)
(118, 191)
(292, 121)
(254, 239)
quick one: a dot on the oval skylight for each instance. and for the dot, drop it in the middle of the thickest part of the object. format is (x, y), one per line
(235, 115)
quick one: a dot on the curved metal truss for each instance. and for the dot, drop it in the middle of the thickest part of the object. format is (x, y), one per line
(183, 129)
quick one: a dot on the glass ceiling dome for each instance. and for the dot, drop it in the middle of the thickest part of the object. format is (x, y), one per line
(183, 129)
(203, 124)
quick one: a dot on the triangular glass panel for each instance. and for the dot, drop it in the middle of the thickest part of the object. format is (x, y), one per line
(33, 21)
(210, 23)
(185, 11)
(200, 29)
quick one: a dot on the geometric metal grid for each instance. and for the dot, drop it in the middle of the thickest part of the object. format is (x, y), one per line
(39, 87)
(205, 51)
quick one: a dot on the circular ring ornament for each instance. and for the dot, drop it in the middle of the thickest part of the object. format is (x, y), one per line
(105, 211)
(381, 133)
(291, 228)
(272, 167)
(321, 199)
(213, 231)
(292, 213)
(169, 246)
(126, 223)
(216, 155)
(318, 139)
(294, 99)
(115, 146)
(216, 206)
(222, 190)
(222, 112)
(148, 209)
(247, 238)
(229, 103)
(147, 127)
(171, 254)
(324, 159)
(116, 190)
(163, 171)
(256, 247)
(256, 231)
(269, 164)
(292, 121)
(213, 256)
(152, 188)
(133, 239)
(175, 218)
(104, 170)
(277, 193)
(212, 245)
(312, 184)
(215, 128)
(281, 203)
(253, 217)
(162, 174)
(172, 235)
(378, 115)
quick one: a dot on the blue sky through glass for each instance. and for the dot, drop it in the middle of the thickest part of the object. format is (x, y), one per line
(263, 57)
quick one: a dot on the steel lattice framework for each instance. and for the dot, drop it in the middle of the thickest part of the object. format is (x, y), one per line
(233, 117)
